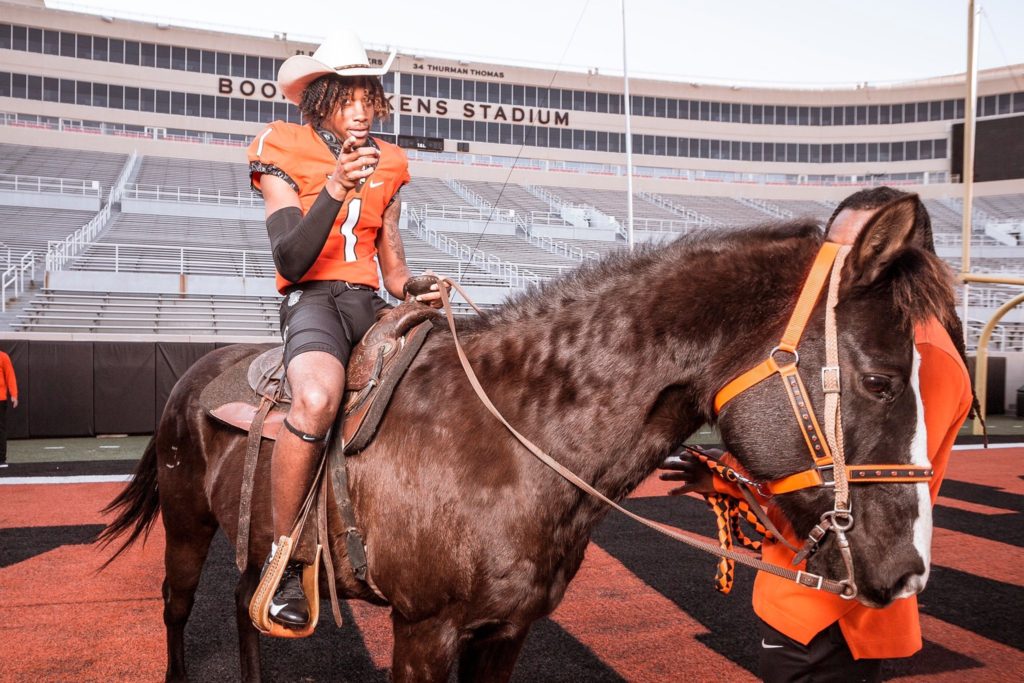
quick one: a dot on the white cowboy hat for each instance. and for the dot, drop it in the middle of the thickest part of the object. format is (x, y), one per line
(342, 54)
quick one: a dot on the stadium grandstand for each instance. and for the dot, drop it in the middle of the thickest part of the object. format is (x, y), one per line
(127, 214)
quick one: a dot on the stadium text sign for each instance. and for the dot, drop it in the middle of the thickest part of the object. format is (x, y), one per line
(406, 104)
(479, 111)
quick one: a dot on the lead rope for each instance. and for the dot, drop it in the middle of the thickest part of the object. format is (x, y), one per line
(801, 577)
(840, 519)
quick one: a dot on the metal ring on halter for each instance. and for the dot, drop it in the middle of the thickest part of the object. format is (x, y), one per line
(833, 517)
(849, 590)
(794, 353)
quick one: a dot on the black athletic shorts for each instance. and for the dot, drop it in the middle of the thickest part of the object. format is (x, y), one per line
(826, 659)
(328, 316)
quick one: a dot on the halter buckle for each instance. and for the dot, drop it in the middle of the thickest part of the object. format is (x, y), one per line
(779, 349)
(830, 379)
(831, 481)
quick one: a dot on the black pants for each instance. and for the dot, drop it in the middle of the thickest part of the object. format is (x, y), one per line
(826, 659)
(3, 430)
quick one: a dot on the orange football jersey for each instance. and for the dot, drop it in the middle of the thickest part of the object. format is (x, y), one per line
(302, 158)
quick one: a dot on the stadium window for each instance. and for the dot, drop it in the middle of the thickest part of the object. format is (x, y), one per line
(444, 87)
(940, 148)
(5, 36)
(530, 136)
(19, 39)
(83, 93)
(147, 99)
(732, 150)
(861, 115)
(542, 97)
(896, 113)
(716, 111)
(826, 154)
(872, 151)
(826, 116)
(252, 66)
(193, 59)
(67, 91)
(579, 100)
(590, 101)
(51, 89)
(659, 145)
(1018, 104)
(505, 93)
(430, 86)
(744, 151)
(803, 153)
(406, 84)
(786, 152)
(35, 40)
(222, 107)
(541, 139)
(683, 147)
(703, 149)
(17, 86)
(671, 146)
(34, 88)
(636, 105)
(493, 92)
(757, 151)
(602, 102)
(660, 107)
(468, 90)
(518, 135)
(922, 111)
(873, 115)
(387, 80)
(67, 44)
(208, 106)
(163, 102)
(132, 52)
(455, 131)
(910, 150)
(1003, 104)
(83, 49)
(530, 96)
(883, 151)
(769, 151)
(280, 111)
(236, 109)
(131, 97)
(192, 108)
(757, 113)
(147, 54)
(115, 97)
(99, 94)
(237, 65)
(178, 59)
(792, 116)
(883, 113)
(814, 153)
(443, 128)
(935, 110)
(924, 149)
(814, 116)
(51, 42)
(177, 103)
(251, 109)
(419, 82)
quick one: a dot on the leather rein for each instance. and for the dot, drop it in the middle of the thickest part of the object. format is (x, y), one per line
(826, 455)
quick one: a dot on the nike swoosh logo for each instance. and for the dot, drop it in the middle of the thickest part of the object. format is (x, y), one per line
(276, 609)
(376, 184)
(307, 437)
(769, 647)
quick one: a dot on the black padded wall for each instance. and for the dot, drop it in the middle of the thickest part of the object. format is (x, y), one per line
(124, 391)
(60, 382)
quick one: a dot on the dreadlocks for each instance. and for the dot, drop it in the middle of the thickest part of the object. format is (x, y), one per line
(876, 197)
(325, 95)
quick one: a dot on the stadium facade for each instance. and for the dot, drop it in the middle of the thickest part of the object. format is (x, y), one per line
(519, 173)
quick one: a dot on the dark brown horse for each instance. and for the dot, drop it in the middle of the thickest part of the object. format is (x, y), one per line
(471, 540)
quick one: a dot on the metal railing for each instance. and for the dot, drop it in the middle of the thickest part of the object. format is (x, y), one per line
(118, 258)
(560, 248)
(468, 257)
(191, 195)
(46, 185)
(14, 277)
(60, 252)
(466, 213)
(690, 215)
(765, 207)
(664, 225)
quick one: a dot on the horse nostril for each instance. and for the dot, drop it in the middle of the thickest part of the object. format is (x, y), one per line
(909, 584)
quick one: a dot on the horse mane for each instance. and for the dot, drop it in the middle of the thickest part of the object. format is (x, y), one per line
(623, 271)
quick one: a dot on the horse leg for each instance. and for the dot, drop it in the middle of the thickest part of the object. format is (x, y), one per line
(490, 660)
(248, 636)
(184, 555)
(424, 650)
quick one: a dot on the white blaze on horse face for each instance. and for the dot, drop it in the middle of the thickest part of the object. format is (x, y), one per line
(919, 458)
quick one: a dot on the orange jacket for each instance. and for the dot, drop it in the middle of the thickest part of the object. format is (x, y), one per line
(299, 156)
(8, 382)
(894, 631)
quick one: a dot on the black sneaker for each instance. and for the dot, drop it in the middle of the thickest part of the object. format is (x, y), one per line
(289, 606)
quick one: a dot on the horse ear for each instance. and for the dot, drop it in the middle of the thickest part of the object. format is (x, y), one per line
(889, 231)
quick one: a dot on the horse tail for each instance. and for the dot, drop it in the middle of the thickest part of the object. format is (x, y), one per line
(136, 506)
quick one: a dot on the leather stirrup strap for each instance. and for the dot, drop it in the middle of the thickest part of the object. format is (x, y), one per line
(252, 452)
(325, 542)
(339, 483)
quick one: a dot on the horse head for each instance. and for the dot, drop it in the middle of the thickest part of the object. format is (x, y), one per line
(890, 281)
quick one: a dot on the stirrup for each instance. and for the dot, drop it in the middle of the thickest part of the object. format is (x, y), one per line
(259, 606)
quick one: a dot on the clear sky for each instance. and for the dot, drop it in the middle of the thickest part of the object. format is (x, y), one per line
(791, 42)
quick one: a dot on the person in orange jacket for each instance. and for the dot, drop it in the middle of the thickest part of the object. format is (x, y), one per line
(811, 635)
(8, 393)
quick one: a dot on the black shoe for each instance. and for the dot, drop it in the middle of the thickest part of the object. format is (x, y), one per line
(289, 606)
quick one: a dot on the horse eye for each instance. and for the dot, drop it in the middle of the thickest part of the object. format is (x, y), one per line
(880, 385)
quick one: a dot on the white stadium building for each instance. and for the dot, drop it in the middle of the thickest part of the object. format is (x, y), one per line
(128, 215)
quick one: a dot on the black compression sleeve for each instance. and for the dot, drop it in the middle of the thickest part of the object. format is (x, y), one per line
(296, 240)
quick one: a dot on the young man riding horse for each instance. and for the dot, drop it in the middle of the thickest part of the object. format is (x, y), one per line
(808, 633)
(332, 206)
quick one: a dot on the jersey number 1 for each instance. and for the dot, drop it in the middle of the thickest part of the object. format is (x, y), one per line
(348, 228)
